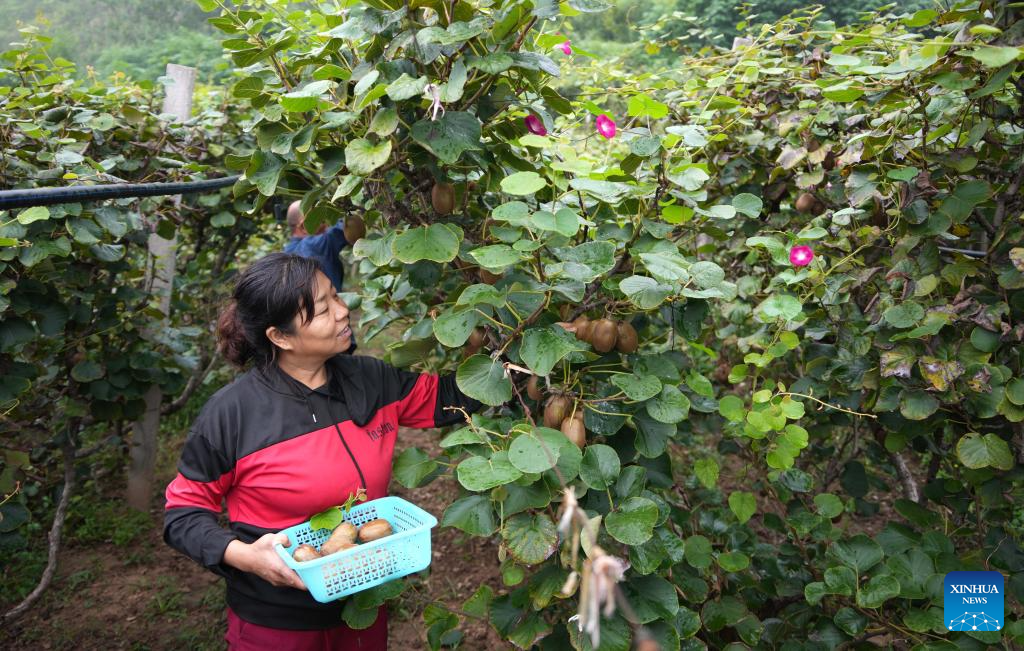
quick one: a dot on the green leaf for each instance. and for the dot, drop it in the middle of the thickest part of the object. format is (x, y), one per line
(918, 405)
(565, 221)
(522, 183)
(33, 214)
(646, 293)
(632, 522)
(743, 505)
(544, 347)
(327, 519)
(306, 98)
(828, 505)
(982, 451)
(781, 305)
(530, 455)
(87, 371)
(384, 122)
(449, 136)
(473, 514)
(434, 242)
(481, 474)
(264, 171)
(600, 466)
(666, 266)
(859, 553)
(734, 561)
(841, 580)
(747, 204)
(453, 327)
(637, 388)
(698, 552)
(587, 261)
(671, 406)
(484, 379)
(646, 106)
(707, 472)
(732, 408)
(904, 315)
(877, 591)
(362, 156)
(850, 621)
(994, 56)
(412, 466)
(530, 538)
(405, 87)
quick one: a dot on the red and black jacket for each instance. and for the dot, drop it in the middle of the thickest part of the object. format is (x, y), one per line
(277, 452)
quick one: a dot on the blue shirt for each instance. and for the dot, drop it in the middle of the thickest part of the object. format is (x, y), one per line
(323, 248)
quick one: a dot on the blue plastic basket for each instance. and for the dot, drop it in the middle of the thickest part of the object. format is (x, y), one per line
(337, 575)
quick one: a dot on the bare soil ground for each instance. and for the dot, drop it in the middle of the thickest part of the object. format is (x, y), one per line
(145, 595)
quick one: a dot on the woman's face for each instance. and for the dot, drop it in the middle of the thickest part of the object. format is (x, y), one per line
(329, 332)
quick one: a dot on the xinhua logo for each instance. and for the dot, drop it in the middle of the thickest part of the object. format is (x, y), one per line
(974, 601)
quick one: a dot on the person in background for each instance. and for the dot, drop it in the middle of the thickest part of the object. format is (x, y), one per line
(323, 246)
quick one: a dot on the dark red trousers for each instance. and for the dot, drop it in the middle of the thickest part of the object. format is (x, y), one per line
(246, 636)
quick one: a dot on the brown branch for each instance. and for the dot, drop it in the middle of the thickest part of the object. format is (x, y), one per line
(522, 325)
(206, 363)
(910, 489)
(54, 538)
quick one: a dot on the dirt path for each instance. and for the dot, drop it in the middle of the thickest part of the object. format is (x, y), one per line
(147, 596)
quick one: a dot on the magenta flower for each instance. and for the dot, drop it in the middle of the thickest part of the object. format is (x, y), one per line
(801, 256)
(606, 126)
(534, 125)
(566, 47)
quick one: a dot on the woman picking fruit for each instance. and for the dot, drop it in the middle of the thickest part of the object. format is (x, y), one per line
(297, 433)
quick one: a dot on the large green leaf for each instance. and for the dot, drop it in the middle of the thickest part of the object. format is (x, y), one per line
(530, 454)
(523, 183)
(646, 293)
(435, 242)
(405, 87)
(483, 378)
(362, 156)
(412, 466)
(877, 591)
(453, 327)
(473, 514)
(743, 505)
(544, 347)
(306, 98)
(449, 136)
(859, 553)
(481, 473)
(637, 388)
(671, 406)
(632, 522)
(982, 451)
(530, 538)
(600, 467)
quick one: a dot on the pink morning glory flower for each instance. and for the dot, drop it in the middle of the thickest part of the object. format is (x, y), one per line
(606, 126)
(801, 256)
(534, 125)
(566, 47)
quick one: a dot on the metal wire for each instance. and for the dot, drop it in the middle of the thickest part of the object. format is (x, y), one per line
(10, 199)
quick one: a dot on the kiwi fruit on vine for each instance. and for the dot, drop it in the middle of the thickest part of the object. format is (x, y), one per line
(533, 388)
(442, 198)
(807, 203)
(476, 339)
(574, 430)
(488, 277)
(305, 553)
(627, 340)
(374, 530)
(603, 335)
(354, 229)
(583, 326)
(555, 411)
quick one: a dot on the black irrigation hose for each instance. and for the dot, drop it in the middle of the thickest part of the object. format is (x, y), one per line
(49, 196)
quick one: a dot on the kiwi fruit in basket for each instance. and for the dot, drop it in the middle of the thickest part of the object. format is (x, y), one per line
(343, 537)
(375, 530)
(305, 553)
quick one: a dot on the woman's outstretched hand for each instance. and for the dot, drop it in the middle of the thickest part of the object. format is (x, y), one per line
(261, 559)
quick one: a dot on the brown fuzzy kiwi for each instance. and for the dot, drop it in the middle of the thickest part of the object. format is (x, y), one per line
(476, 339)
(533, 388)
(442, 198)
(555, 411)
(603, 335)
(627, 340)
(807, 203)
(488, 277)
(354, 229)
(344, 534)
(375, 529)
(305, 553)
(582, 324)
(574, 429)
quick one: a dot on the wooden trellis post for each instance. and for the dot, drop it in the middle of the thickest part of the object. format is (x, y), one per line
(145, 431)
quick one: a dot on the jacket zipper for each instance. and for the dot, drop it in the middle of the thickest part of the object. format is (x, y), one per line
(345, 443)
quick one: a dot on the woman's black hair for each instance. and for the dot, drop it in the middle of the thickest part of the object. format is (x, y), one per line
(270, 292)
